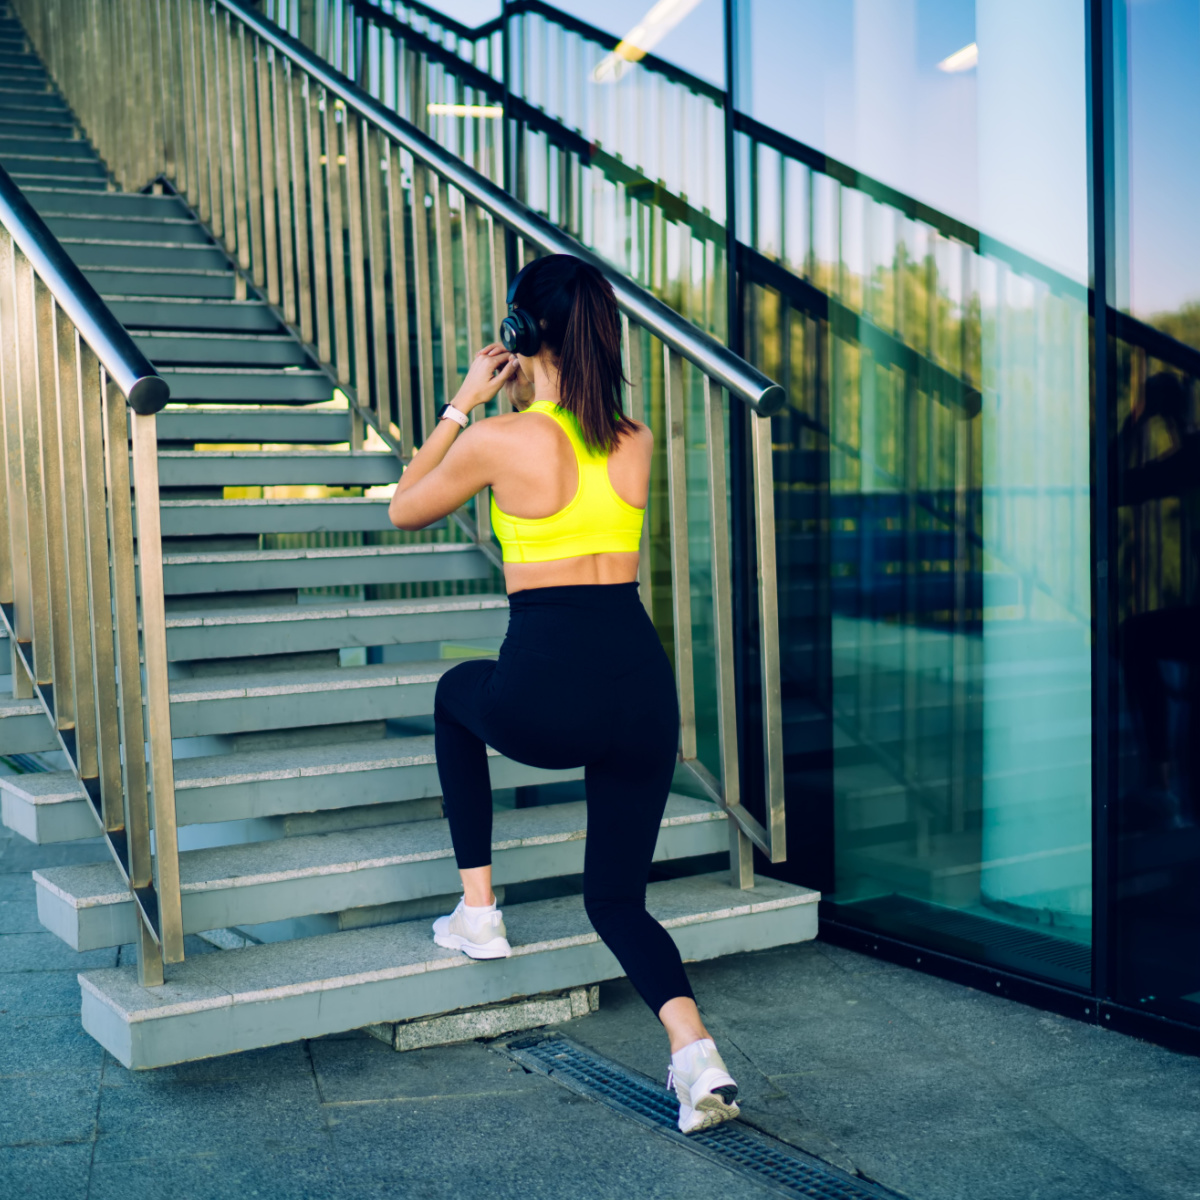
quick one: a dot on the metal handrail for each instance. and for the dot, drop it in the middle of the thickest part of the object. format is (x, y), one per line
(146, 390)
(734, 374)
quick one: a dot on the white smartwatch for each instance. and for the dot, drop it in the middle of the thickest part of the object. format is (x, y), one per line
(450, 413)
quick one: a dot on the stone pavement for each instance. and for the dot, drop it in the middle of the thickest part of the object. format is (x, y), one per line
(940, 1092)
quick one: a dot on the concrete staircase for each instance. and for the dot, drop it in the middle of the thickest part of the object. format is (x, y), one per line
(305, 639)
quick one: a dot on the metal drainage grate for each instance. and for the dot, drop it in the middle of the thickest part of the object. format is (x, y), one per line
(735, 1146)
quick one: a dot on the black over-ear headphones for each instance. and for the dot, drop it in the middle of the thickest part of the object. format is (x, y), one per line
(519, 332)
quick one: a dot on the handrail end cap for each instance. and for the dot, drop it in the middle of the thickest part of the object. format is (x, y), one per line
(770, 401)
(148, 395)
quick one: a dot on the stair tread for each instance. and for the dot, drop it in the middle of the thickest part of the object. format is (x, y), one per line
(250, 455)
(337, 960)
(290, 683)
(325, 612)
(319, 552)
(257, 863)
(281, 502)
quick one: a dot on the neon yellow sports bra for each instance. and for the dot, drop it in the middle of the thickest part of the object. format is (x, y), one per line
(597, 520)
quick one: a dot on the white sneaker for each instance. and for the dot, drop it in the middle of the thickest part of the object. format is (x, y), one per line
(705, 1088)
(477, 936)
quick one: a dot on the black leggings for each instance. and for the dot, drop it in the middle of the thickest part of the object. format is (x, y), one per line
(581, 680)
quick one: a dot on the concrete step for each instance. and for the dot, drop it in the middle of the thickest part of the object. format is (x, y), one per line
(212, 518)
(24, 726)
(196, 314)
(320, 783)
(225, 424)
(26, 179)
(255, 468)
(179, 348)
(156, 281)
(125, 227)
(247, 385)
(53, 123)
(17, 99)
(51, 165)
(43, 141)
(243, 703)
(235, 1000)
(89, 906)
(129, 252)
(303, 628)
(340, 566)
(66, 202)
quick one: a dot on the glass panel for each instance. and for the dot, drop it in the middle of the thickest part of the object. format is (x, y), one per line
(938, 436)
(1158, 453)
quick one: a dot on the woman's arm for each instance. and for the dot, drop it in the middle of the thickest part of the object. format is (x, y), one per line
(454, 463)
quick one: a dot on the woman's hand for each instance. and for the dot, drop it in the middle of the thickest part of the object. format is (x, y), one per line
(490, 370)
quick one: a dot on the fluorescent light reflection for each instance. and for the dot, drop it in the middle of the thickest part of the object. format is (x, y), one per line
(493, 111)
(642, 38)
(966, 59)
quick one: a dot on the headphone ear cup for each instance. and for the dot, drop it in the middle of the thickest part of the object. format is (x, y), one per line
(519, 333)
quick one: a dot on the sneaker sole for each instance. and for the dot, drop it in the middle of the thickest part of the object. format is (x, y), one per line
(496, 948)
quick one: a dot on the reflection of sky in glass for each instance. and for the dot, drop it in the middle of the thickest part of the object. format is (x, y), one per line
(1002, 147)
(1163, 55)
(696, 44)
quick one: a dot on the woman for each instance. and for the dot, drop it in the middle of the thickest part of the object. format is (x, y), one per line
(581, 679)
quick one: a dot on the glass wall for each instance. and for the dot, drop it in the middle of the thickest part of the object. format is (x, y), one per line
(916, 205)
(1156, 136)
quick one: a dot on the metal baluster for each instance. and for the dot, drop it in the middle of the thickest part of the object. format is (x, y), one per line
(211, 192)
(44, 428)
(158, 701)
(337, 242)
(498, 265)
(358, 283)
(75, 557)
(19, 615)
(374, 162)
(224, 105)
(768, 631)
(681, 588)
(248, 52)
(297, 106)
(631, 352)
(232, 69)
(741, 854)
(104, 670)
(316, 187)
(266, 160)
(399, 270)
(445, 268)
(423, 296)
(191, 70)
(474, 307)
(279, 71)
(129, 675)
(35, 499)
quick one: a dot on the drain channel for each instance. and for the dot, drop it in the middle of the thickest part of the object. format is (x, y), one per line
(789, 1172)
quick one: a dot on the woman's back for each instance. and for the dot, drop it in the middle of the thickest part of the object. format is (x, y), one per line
(564, 512)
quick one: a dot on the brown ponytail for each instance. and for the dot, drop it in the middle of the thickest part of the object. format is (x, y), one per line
(577, 311)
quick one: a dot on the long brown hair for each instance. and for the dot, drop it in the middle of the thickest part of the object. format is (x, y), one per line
(575, 307)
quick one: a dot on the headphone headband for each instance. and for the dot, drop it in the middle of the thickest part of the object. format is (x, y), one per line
(511, 298)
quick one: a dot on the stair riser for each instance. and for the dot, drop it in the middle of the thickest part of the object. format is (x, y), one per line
(26, 179)
(222, 318)
(255, 713)
(17, 100)
(310, 429)
(51, 165)
(99, 926)
(172, 258)
(291, 637)
(207, 578)
(46, 142)
(26, 734)
(238, 388)
(227, 1028)
(110, 205)
(72, 820)
(329, 517)
(180, 350)
(115, 282)
(219, 470)
(118, 228)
